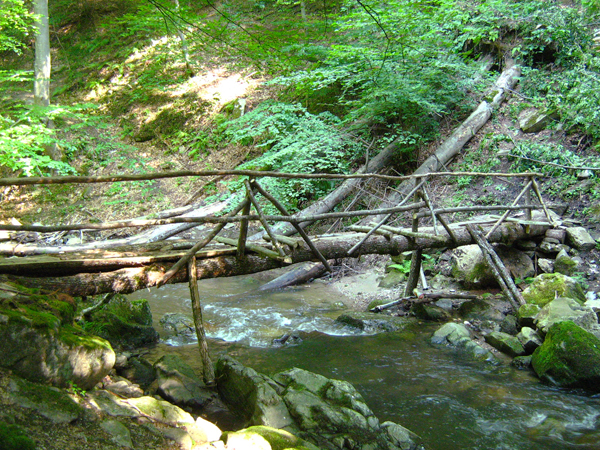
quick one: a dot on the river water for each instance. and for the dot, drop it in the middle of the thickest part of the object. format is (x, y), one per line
(451, 402)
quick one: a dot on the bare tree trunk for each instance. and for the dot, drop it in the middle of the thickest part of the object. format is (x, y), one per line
(52, 276)
(42, 69)
(450, 148)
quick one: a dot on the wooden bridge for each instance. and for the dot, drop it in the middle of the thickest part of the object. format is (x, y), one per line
(124, 267)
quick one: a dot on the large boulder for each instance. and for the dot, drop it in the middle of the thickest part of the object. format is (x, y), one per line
(564, 308)
(257, 435)
(251, 394)
(469, 265)
(39, 341)
(179, 384)
(329, 413)
(548, 286)
(126, 324)
(569, 357)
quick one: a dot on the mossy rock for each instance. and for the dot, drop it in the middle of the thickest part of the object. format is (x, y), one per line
(279, 439)
(125, 324)
(13, 437)
(548, 286)
(36, 308)
(569, 357)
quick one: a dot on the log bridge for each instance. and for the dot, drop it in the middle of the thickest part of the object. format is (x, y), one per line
(107, 267)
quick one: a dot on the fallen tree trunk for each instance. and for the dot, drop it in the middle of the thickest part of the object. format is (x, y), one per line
(302, 273)
(131, 279)
(450, 148)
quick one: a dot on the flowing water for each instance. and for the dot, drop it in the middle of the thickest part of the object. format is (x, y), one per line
(451, 402)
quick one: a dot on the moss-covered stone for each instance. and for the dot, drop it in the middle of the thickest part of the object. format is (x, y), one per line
(527, 314)
(33, 307)
(125, 324)
(548, 286)
(569, 357)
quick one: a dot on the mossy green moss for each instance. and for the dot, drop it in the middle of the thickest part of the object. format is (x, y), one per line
(38, 309)
(569, 357)
(13, 437)
(548, 286)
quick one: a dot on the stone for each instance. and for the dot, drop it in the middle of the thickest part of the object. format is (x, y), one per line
(126, 324)
(59, 357)
(509, 325)
(529, 339)
(392, 278)
(521, 362)
(247, 441)
(400, 437)
(480, 309)
(160, 410)
(374, 323)
(178, 383)
(426, 311)
(558, 234)
(549, 247)
(458, 335)
(139, 371)
(40, 342)
(534, 121)
(565, 264)
(450, 334)
(50, 402)
(251, 395)
(526, 245)
(569, 357)
(125, 388)
(580, 238)
(278, 439)
(204, 431)
(527, 314)
(328, 413)
(545, 265)
(546, 287)
(564, 308)
(180, 436)
(469, 266)
(505, 343)
(118, 432)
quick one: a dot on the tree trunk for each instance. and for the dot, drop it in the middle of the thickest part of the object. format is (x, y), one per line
(41, 86)
(450, 148)
(131, 279)
(42, 67)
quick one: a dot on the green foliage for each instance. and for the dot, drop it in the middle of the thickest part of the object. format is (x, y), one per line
(295, 142)
(13, 437)
(574, 93)
(545, 153)
(17, 24)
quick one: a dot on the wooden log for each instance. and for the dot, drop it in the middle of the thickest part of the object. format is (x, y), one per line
(192, 252)
(451, 146)
(130, 279)
(255, 248)
(498, 269)
(302, 273)
(423, 298)
(296, 226)
(208, 371)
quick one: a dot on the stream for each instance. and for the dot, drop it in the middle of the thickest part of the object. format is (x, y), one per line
(451, 402)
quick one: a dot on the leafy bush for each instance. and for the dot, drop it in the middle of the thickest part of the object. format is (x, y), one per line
(295, 141)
